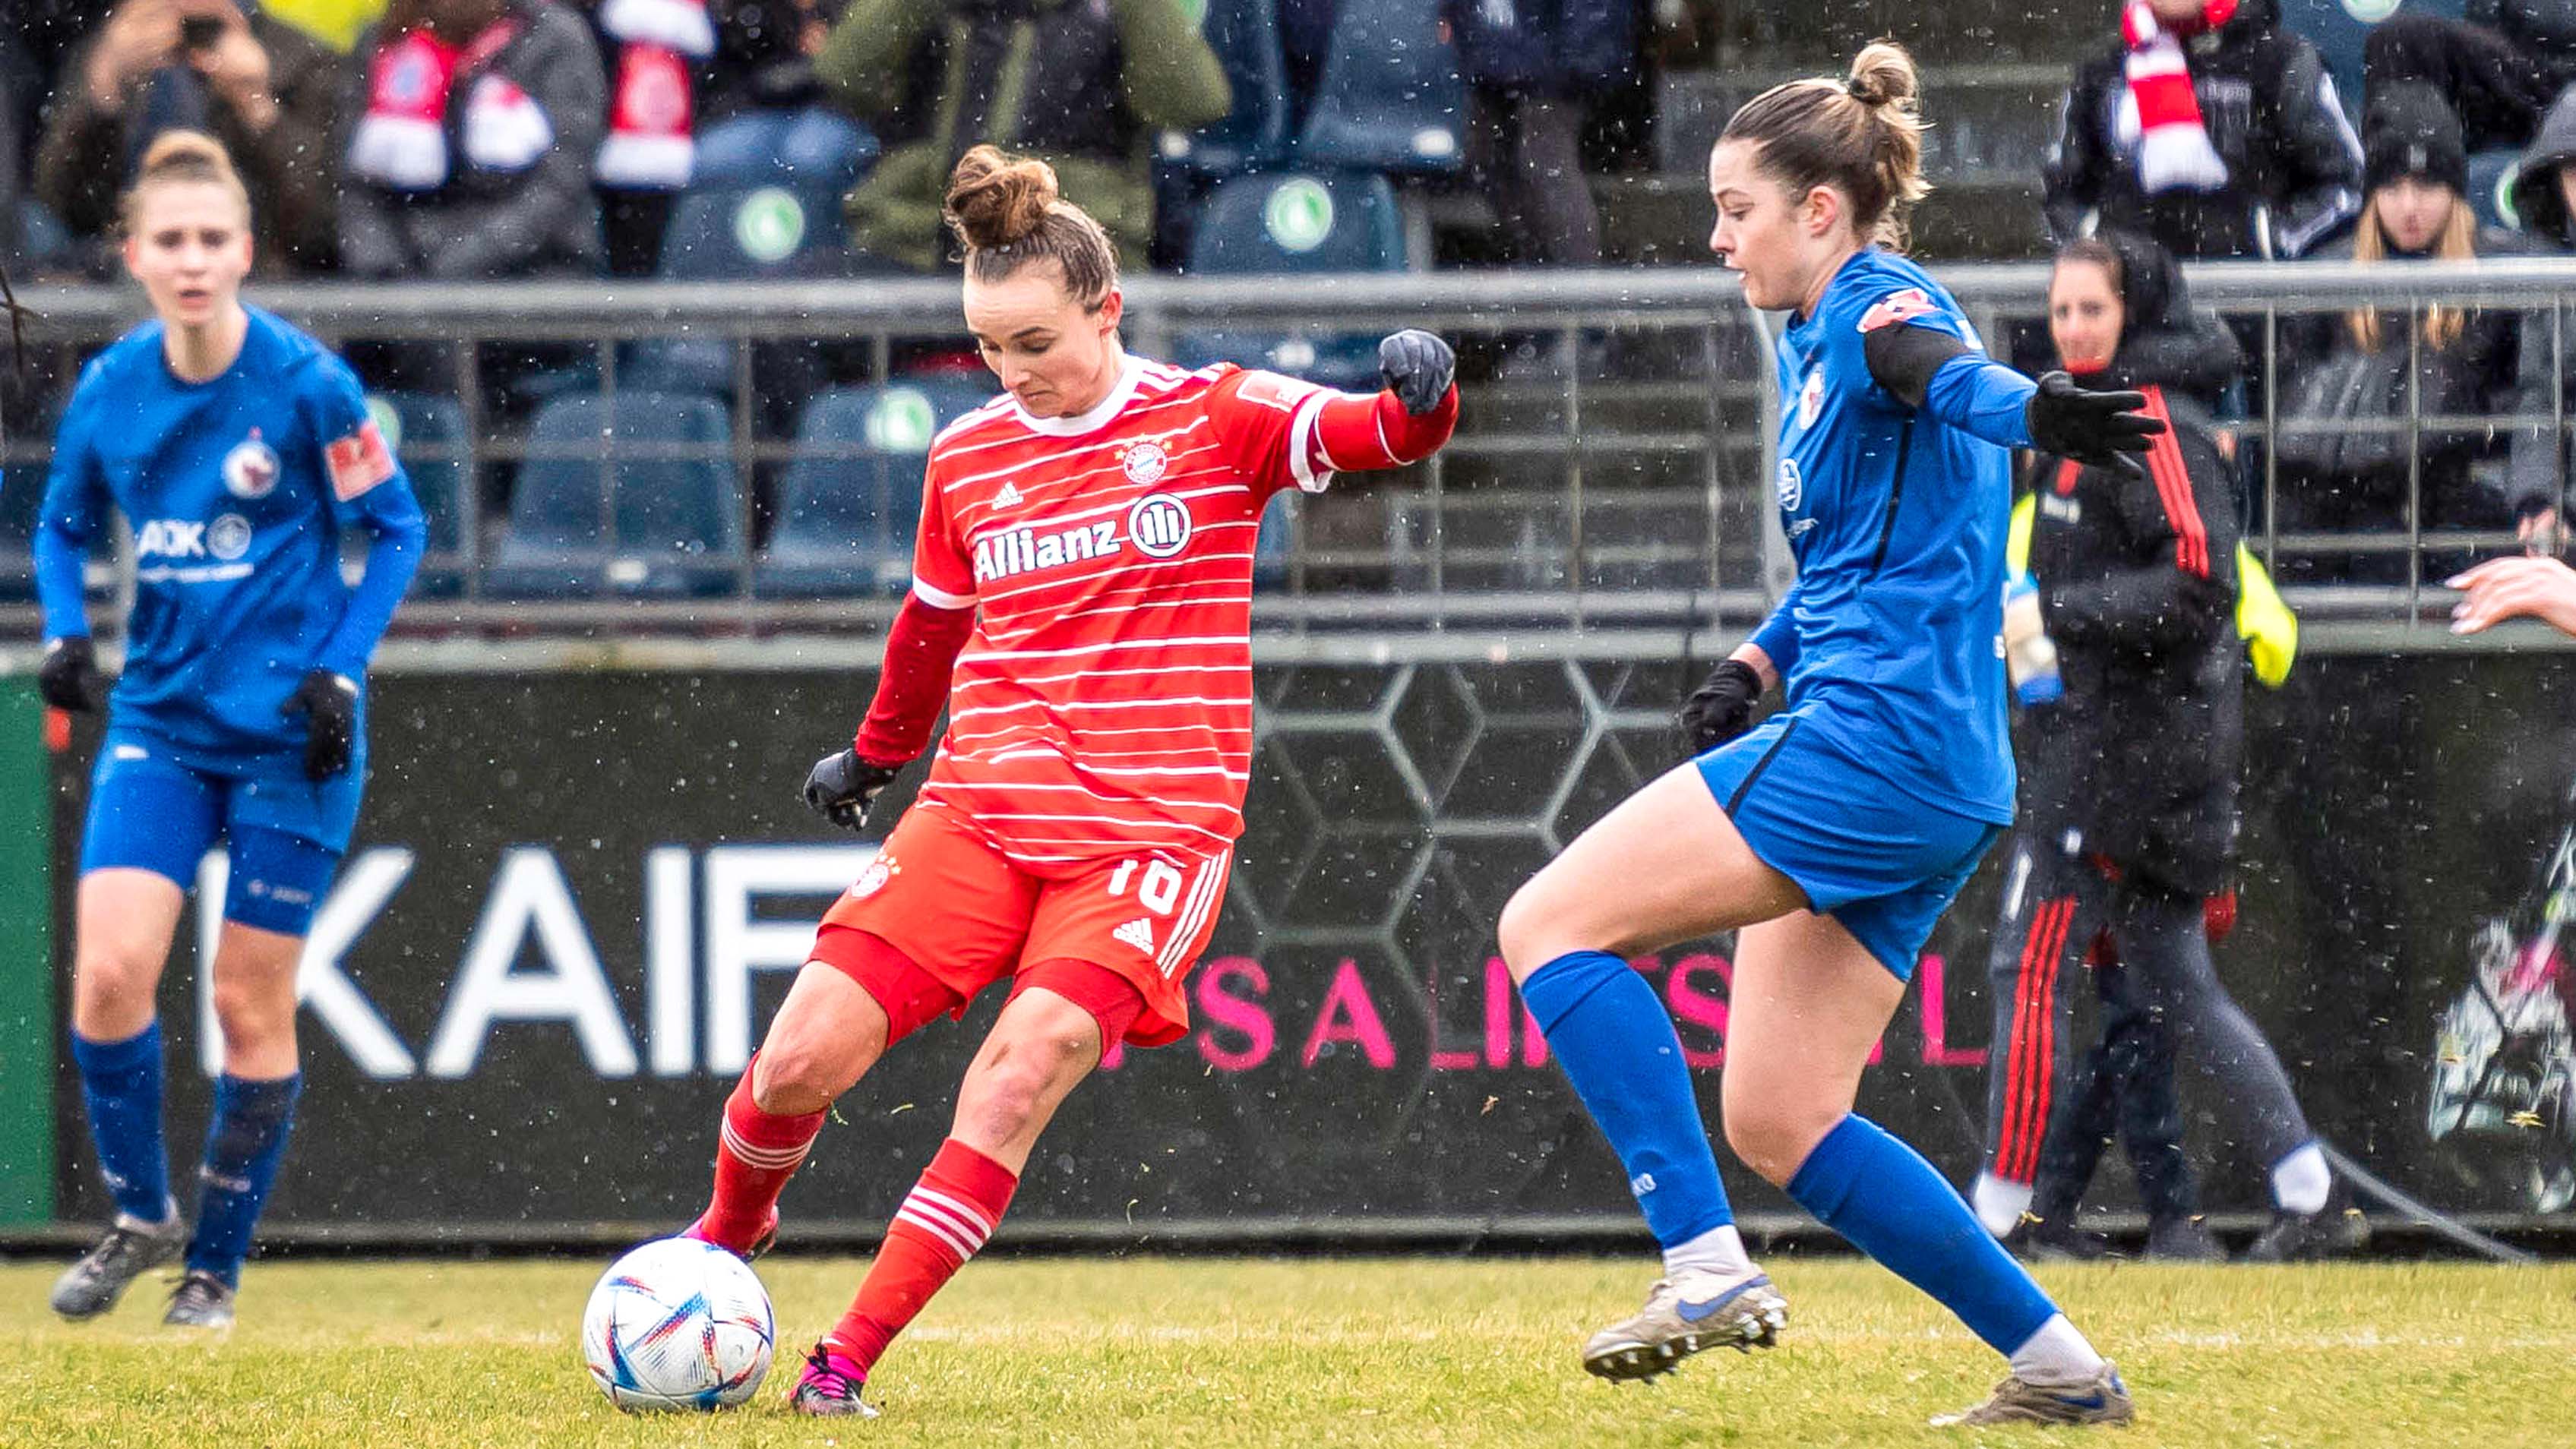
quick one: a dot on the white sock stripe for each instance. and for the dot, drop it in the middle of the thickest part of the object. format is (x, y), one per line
(962, 1233)
(770, 1158)
(968, 1215)
(938, 1230)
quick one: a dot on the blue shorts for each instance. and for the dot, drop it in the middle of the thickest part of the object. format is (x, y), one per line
(1882, 863)
(152, 809)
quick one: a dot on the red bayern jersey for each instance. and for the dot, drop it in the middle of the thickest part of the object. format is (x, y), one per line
(1103, 704)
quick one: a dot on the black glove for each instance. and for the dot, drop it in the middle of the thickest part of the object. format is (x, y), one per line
(329, 703)
(841, 787)
(69, 677)
(1417, 367)
(2097, 429)
(1722, 708)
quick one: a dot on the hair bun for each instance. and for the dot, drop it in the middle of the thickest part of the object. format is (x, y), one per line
(1883, 75)
(995, 200)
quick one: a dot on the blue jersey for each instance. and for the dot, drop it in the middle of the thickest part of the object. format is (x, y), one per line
(237, 490)
(1891, 640)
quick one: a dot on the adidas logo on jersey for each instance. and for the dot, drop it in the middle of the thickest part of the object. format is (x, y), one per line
(1138, 933)
(1019, 550)
(1009, 497)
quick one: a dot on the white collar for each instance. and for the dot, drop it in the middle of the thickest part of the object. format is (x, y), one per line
(1129, 370)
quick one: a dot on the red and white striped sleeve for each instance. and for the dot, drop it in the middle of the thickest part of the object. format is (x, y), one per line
(1284, 432)
(943, 573)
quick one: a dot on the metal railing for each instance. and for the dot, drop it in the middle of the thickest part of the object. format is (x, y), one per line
(1611, 470)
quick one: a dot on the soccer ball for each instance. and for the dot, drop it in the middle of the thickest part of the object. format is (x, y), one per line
(678, 1324)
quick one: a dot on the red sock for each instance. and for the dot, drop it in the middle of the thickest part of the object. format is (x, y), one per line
(951, 1212)
(755, 1155)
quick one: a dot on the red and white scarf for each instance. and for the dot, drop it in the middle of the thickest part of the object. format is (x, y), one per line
(401, 142)
(651, 144)
(2174, 153)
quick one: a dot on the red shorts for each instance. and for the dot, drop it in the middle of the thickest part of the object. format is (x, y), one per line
(966, 917)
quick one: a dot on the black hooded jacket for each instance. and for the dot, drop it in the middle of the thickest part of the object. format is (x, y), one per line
(2293, 162)
(2137, 587)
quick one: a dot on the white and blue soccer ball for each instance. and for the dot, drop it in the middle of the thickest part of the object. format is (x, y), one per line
(678, 1324)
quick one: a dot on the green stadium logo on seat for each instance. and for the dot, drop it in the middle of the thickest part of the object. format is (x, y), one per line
(2506, 211)
(769, 225)
(1299, 215)
(902, 422)
(387, 421)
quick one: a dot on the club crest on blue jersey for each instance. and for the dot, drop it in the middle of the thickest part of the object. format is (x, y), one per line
(250, 469)
(1811, 398)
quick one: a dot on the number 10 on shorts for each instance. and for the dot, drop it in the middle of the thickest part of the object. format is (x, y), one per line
(1158, 892)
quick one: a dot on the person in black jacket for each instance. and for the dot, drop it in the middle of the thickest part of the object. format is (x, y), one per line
(2544, 197)
(2467, 363)
(2253, 159)
(2129, 810)
(2499, 64)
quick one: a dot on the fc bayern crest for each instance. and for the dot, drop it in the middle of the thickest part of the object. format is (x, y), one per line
(874, 878)
(250, 469)
(1146, 462)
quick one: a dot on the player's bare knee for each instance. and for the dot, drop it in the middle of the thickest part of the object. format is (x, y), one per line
(1522, 929)
(254, 1028)
(1773, 1141)
(801, 1075)
(113, 978)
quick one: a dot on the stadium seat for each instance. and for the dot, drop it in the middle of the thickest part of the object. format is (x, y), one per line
(2338, 30)
(2491, 178)
(1245, 36)
(427, 432)
(1390, 99)
(629, 494)
(814, 145)
(1290, 223)
(771, 229)
(734, 233)
(851, 501)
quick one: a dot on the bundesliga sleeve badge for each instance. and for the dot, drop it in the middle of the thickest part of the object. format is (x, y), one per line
(359, 461)
(1897, 307)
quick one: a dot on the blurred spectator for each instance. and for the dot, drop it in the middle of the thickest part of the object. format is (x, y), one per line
(2544, 197)
(2498, 67)
(765, 53)
(2209, 128)
(335, 23)
(651, 46)
(2544, 186)
(1082, 84)
(2356, 368)
(1305, 42)
(1536, 67)
(476, 126)
(265, 89)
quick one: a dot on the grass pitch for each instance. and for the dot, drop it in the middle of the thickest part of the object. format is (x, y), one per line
(1404, 1352)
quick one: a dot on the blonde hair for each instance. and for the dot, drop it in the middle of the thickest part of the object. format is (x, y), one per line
(1862, 135)
(183, 156)
(1007, 212)
(2457, 243)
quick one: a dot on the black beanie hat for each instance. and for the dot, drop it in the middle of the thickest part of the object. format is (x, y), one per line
(2409, 131)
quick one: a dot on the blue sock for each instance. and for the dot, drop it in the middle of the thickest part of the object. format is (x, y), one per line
(1893, 1205)
(1616, 1042)
(121, 1085)
(244, 1144)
